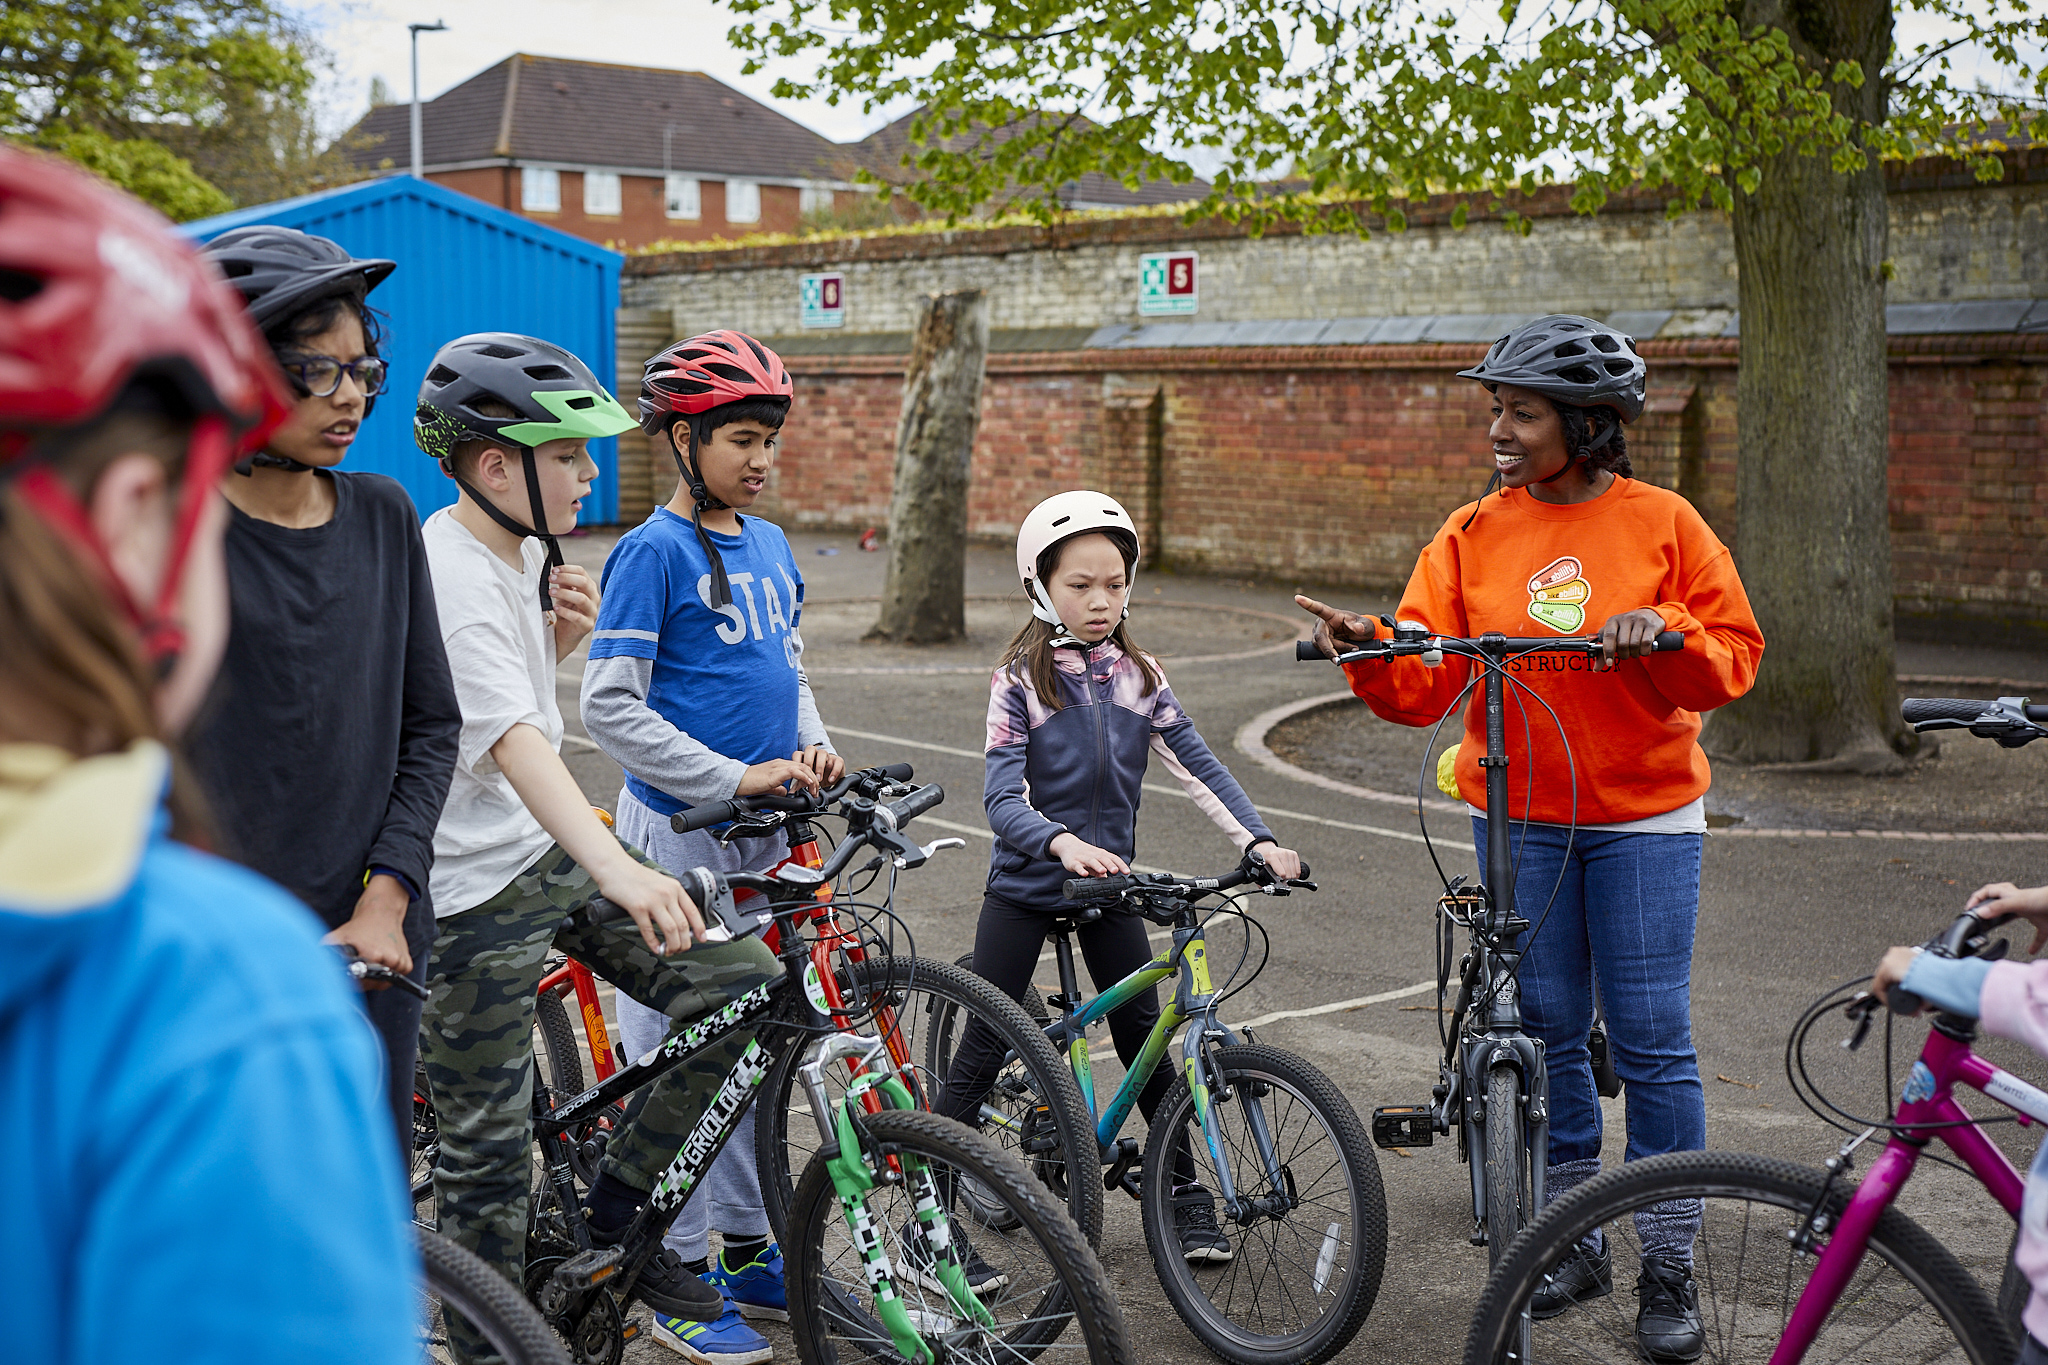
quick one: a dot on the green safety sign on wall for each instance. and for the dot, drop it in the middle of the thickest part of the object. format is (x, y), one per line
(1166, 284)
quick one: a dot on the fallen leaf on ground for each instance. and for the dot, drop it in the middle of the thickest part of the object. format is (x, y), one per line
(1746, 1085)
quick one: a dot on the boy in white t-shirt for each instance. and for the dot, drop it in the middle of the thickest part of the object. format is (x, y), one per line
(518, 848)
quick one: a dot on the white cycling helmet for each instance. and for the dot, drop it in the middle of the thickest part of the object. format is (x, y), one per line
(1054, 520)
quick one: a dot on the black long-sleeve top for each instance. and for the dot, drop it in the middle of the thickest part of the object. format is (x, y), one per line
(328, 743)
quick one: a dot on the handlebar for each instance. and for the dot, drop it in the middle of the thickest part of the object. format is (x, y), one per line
(868, 781)
(376, 971)
(1966, 936)
(1110, 889)
(1410, 640)
(2011, 721)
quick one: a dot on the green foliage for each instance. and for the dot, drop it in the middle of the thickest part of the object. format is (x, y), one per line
(193, 105)
(1363, 104)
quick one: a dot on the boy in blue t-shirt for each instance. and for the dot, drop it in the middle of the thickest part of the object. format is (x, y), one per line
(695, 686)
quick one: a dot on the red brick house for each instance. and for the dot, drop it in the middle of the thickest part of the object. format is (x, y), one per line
(624, 155)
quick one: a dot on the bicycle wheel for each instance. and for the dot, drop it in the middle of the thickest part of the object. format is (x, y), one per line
(560, 1058)
(1508, 1202)
(1306, 1264)
(1910, 1300)
(1055, 1301)
(1034, 1109)
(426, 1149)
(457, 1282)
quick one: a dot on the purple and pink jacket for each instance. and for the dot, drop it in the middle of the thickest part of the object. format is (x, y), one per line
(1081, 769)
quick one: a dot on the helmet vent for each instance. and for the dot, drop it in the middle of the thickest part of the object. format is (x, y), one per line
(547, 372)
(1579, 374)
(1607, 344)
(497, 352)
(1618, 368)
(584, 402)
(1569, 348)
(732, 372)
(441, 374)
(18, 286)
(1061, 521)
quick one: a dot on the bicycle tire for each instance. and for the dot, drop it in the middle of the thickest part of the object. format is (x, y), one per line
(456, 1279)
(1507, 1162)
(1960, 1321)
(426, 1150)
(1038, 1088)
(1068, 1309)
(1349, 1222)
(2013, 1293)
(561, 1061)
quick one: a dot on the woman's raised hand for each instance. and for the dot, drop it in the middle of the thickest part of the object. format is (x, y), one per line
(1334, 624)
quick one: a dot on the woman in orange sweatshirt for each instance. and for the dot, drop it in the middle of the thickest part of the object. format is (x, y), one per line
(1573, 545)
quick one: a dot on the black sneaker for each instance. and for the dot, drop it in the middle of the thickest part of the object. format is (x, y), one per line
(1194, 1221)
(1583, 1274)
(1668, 1327)
(664, 1284)
(982, 1277)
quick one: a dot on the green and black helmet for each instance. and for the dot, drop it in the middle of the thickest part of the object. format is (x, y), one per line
(551, 393)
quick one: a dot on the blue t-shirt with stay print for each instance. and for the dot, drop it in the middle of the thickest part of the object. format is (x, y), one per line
(725, 676)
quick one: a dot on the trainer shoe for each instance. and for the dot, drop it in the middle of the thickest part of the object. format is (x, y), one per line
(665, 1285)
(982, 1277)
(728, 1341)
(1194, 1221)
(754, 1288)
(1668, 1326)
(1582, 1274)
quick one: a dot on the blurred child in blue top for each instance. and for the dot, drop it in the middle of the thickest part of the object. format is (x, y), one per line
(208, 1176)
(696, 687)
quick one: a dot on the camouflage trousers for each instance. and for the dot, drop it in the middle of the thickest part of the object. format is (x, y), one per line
(476, 1042)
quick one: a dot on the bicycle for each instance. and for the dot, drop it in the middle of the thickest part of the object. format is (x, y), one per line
(1491, 1067)
(876, 1266)
(1835, 1266)
(1295, 1177)
(455, 1280)
(919, 1008)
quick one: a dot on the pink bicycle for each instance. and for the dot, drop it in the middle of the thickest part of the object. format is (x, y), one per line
(1794, 1264)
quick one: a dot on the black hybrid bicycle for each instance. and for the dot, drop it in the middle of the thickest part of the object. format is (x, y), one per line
(1491, 1092)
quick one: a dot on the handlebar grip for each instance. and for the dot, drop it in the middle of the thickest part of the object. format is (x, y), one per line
(1087, 889)
(704, 816)
(1669, 642)
(602, 911)
(917, 803)
(896, 772)
(1899, 1000)
(1918, 710)
(1306, 651)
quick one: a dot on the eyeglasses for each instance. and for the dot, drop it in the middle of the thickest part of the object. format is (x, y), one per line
(320, 375)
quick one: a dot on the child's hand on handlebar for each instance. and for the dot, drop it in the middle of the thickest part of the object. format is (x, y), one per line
(775, 774)
(1084, 859)
(828, 766)
(667, 917)
(1284, 863)
(2028, 903)
(1335, 627)
(1891, 971)
(1629, 635)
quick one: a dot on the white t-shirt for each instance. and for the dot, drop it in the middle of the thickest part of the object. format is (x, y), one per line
(502, 656)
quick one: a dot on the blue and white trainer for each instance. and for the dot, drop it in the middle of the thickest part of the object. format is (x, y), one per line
(729, 1341)
(755, 1288)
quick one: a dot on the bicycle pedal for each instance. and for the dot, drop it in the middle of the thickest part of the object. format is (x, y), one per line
(1404, 1125)
(630, 1330)
(587, 1269)
(1122, 1173)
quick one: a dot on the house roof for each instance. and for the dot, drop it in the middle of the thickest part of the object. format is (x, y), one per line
(884, 149)
(576, 113)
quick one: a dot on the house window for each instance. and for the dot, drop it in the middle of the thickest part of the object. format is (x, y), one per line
(742, 201)
(684, 199)
(540, 191)
(814, 199)
(601, 194)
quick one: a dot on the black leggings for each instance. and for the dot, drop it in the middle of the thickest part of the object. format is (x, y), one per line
(1007, 943)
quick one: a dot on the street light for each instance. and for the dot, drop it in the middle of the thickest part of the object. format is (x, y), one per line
(416, 30)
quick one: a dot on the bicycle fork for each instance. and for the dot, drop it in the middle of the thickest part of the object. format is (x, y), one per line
(1195, 999)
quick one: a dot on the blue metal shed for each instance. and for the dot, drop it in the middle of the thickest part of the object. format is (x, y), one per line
(463, 266)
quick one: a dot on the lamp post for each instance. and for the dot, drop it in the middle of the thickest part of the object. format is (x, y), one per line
(416, 30)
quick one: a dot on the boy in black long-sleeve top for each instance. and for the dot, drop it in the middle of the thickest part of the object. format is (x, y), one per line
(329, 743)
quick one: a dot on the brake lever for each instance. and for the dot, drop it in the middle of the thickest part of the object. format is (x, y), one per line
(1862, 1010)
(938, 845)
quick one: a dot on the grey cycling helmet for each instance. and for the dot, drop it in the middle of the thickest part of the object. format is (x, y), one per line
(1568, 359)
(552, 394)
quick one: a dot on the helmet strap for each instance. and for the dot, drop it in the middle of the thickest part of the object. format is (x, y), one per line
(721, 586)
(1041, 607)
(1491, 484)
(540, 519)
(246, 465)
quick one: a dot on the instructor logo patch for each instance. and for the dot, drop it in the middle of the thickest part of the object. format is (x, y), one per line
(1558, 593)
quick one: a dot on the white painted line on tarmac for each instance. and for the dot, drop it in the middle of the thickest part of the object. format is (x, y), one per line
(975, 754)
(1339, 1006)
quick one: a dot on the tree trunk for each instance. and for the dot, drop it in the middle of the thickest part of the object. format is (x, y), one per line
(924, 597)
(1813, 532)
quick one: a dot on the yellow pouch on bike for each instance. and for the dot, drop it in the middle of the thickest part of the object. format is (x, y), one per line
(1446, 771)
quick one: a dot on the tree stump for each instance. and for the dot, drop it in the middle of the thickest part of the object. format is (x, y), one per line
(924, 597)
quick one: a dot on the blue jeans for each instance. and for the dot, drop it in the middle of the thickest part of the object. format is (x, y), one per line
(1625, 911)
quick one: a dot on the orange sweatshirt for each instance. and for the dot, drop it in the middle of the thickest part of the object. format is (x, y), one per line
(1530, 568)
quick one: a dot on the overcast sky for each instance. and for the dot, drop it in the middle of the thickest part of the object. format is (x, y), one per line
(368, 38)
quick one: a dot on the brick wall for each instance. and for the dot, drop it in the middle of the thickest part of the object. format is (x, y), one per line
(643, 211)
(1338, 464)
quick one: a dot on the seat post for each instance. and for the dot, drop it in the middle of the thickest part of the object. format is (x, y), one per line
(1063, 953)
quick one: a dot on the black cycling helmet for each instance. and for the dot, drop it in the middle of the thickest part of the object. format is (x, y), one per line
(280, 270)
(551, 393)
(1568, 359)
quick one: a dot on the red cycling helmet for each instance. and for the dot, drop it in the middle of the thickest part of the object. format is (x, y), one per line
(705, 372)
(97, 294)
